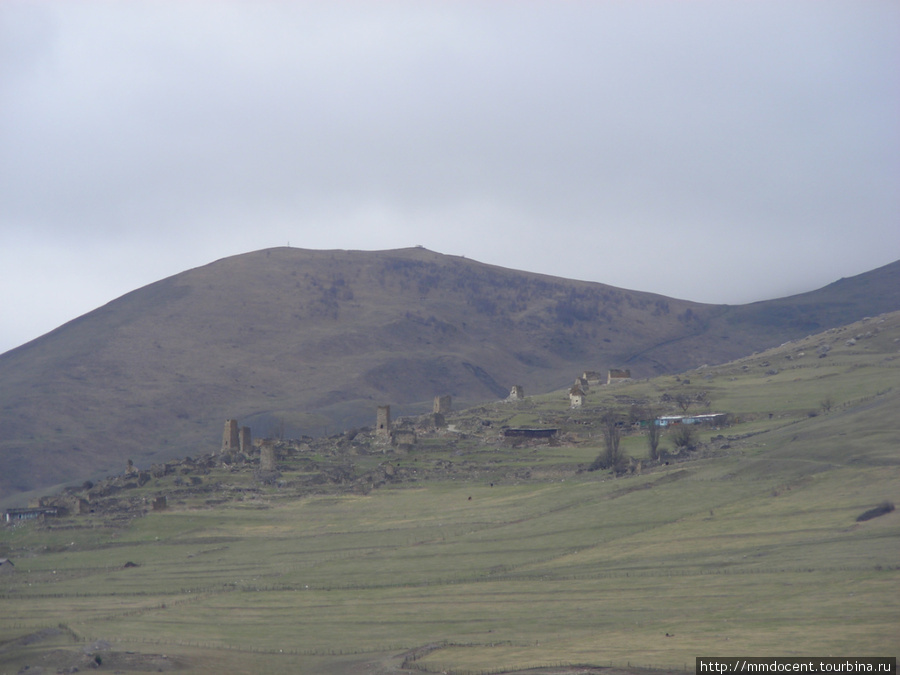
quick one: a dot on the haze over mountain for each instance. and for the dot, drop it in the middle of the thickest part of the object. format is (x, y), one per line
(299, 342)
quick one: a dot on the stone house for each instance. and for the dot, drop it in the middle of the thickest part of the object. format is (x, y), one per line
(616, 375)
(6, 566)
(592, 377)
(576, 397)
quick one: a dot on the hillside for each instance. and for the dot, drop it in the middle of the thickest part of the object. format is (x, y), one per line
(299, 342)
(471, 551)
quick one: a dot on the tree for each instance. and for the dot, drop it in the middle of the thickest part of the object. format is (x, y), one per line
(612, 433)
(686, 399)
(684, 437)
(654, 431)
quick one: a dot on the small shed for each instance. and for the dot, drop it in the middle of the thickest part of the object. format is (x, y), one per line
(16, 515)
(6, 566)
(711, 419)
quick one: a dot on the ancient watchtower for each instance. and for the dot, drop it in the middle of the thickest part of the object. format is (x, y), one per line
(383, 421)
(246, 440)
(442, 404)
(230, 440)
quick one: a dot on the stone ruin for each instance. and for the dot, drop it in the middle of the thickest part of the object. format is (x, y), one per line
(404, 440)
(592, 377)
(383, 422)
(230, 437)
(616, 375)
(236, 439)
(245, 440)
(517, 393)
(266, 457)
(442, 404)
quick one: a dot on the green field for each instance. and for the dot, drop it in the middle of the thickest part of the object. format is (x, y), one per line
(748, 546)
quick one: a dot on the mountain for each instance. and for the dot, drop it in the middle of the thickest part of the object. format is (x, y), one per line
(299, 342)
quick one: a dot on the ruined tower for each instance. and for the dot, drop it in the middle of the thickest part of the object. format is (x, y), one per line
(230, 440)
(246, 440)
(267, 457)
(383, 421)
(442, 404)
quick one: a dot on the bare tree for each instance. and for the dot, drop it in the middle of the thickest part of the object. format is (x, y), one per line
(684, 437)
(686, 399)
(612, 434)
(654, 431)
(611, 457)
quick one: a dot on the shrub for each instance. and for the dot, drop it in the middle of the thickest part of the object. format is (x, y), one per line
(683, 437)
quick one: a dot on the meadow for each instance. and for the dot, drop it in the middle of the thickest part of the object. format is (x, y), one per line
(748, 546)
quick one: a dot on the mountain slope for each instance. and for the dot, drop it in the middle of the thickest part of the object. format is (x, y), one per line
(310, 342)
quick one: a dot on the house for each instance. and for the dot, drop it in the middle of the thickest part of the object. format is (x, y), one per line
(15, 515)
(712, 419)
(6, 566)
(615, 375)
(576, 397)
(592, 377)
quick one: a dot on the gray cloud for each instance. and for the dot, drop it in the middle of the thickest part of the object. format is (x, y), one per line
(723, 152)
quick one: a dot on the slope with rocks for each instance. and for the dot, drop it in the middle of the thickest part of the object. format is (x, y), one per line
(296, 342)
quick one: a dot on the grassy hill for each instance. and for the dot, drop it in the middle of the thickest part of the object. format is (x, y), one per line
(310, 342)
(473, 552)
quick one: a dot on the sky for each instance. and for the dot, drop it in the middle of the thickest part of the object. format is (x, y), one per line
(721, 152)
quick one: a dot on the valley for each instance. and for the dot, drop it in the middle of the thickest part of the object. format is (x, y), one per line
(471, 551)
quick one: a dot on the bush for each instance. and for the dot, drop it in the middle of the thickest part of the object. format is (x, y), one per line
(880, 510)
(684, 437)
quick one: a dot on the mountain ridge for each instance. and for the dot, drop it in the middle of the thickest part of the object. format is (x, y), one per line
(310, 342)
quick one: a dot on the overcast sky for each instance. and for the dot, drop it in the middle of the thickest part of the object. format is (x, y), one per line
(720, 151)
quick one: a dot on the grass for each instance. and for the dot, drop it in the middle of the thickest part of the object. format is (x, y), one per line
(749, 547)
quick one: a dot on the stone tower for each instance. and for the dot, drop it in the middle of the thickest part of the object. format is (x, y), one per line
(383, 422)
(230, 440)
(246, 440)
(442, 404)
